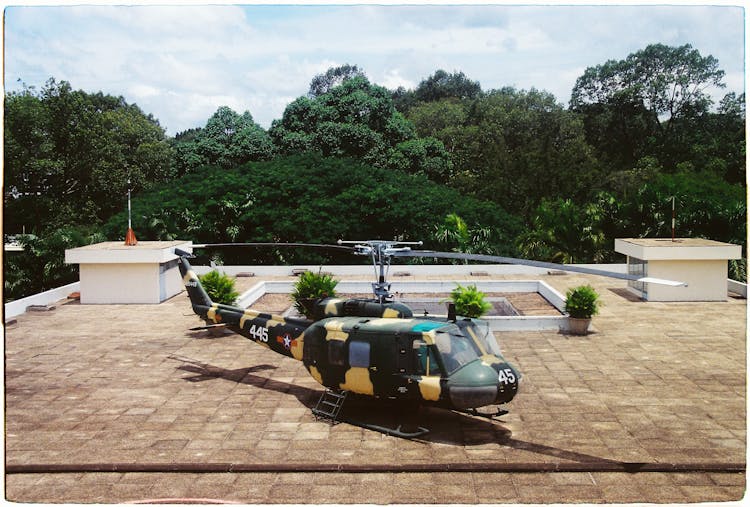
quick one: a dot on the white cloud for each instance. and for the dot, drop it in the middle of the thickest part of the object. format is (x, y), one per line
(182, 63)
(392, 79)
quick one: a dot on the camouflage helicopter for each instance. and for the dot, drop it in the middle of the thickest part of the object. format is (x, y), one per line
(377, 347)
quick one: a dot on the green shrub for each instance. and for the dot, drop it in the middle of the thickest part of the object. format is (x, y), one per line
(469, 301)
(582, 302)
(738, 269)
(41, 265)
(312, 286)
(219, 287)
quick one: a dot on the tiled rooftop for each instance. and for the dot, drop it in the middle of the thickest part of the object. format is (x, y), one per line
(160, 412)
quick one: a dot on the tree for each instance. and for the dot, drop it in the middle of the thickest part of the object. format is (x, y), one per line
(68, 153)
(666, 80)
(442, 85)
(357, 119)
(41, 265)
(455, 233)
(439, 86)
(707, 207)
(513, 147)
(307, 198)
(227, 140)
(564, 232)
(437, 117)
(422, 156)
(639, 100)
(714, 141)
(324, 83)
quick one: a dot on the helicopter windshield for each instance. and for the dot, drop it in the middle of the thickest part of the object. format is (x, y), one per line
(455, 348)
(480, 330)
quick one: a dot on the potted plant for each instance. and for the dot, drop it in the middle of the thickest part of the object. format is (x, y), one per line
(310, 288)
(220, 288)
(470, 301)
(581, 303)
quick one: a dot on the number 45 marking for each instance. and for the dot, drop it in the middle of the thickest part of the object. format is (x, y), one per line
(506, 376)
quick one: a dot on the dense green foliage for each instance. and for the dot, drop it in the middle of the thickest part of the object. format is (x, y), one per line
(41, 266)
(456, 235)
(311, 286)
(220, 287)
(357, 119)
(227, 140)
(69, 156)
(470, 301)
(324, 83)
(513, 147)
(441, 85)
(655, 103)
(304, 198)
(582, 302)
(503, 171)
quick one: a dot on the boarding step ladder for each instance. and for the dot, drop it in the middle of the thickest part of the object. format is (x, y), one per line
(329, 405)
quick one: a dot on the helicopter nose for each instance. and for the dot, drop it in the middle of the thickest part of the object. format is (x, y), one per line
(507, 382)
(474, 385)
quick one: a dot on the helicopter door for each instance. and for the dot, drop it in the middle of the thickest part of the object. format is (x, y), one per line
(403, 357)
(314, 354)
(404, 363)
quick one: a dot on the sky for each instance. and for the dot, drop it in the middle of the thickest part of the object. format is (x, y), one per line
(181, 63)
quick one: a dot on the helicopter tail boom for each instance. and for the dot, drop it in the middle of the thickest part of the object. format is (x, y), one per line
(280, 334)
(198, 295)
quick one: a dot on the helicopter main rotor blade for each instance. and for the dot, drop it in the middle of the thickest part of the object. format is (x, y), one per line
(311, 245)
(536, 264)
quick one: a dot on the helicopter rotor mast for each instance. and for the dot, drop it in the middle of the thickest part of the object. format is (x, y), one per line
(381, 252)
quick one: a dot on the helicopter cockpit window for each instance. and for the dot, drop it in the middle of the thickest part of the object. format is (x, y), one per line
(456, 349)
(359, 354)
(424, 357)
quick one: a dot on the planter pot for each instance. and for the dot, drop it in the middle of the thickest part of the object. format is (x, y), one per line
(578, 326)
(309, 305)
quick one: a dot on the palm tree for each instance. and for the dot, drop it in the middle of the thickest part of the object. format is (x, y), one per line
(455, 233)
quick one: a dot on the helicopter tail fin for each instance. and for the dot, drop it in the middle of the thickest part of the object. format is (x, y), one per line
(198, 296)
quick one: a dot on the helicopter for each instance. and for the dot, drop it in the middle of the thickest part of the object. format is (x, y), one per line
(377, 347)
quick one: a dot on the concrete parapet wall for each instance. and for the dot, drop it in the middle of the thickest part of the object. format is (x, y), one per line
(15, 308)
(737, 287)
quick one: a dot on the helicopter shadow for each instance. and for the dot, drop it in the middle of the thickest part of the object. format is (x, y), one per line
(204, 371)
(446, 426)
(208, 333)
(467, 430)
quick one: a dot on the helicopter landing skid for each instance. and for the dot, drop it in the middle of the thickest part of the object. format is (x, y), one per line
(477, 413)
(329, 409)
(395, 432)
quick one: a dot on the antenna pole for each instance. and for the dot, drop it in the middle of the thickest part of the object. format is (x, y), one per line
(673, 221)
(130, 239)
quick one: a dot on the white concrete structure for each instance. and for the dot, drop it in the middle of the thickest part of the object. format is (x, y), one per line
(701, 263)
(111, 272)
(557, 322)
